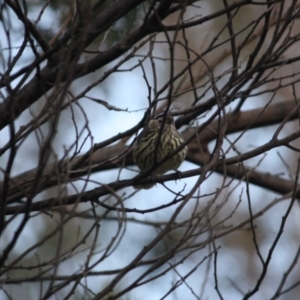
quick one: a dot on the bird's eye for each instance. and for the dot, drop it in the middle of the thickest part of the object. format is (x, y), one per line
(160, 121)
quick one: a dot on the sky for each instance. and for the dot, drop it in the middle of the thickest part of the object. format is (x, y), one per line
(128, 90)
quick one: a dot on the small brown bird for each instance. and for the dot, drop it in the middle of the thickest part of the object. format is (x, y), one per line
(148, 140)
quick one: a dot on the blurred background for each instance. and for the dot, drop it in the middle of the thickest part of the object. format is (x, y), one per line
(226, 237)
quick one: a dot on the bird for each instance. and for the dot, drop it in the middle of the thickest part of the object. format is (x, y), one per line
(154, 143)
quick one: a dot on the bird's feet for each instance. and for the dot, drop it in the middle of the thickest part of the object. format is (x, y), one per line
(179, 174)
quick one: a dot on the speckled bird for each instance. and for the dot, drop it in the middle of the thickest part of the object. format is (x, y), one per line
(145, 149)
